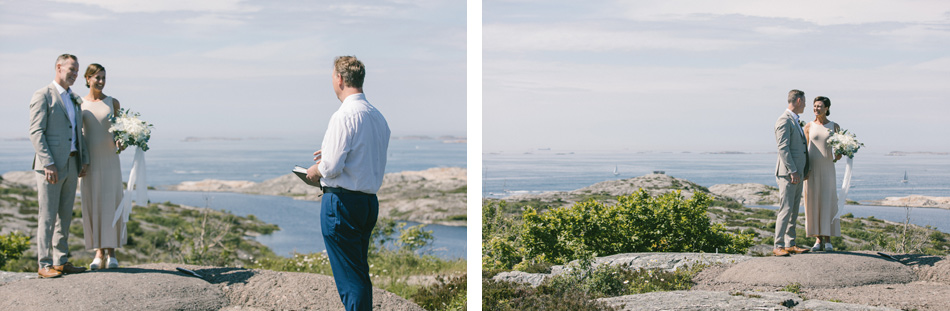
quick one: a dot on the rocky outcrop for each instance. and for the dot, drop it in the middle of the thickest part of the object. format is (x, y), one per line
(665, 261)
(655, 184)
(747, 194)
(161, 287)
(724, 301)
(914, 201)
(814, 281)
(433, 196)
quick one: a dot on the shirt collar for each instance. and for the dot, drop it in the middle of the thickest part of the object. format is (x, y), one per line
(794, 115)
(354, 97)
(59, 88)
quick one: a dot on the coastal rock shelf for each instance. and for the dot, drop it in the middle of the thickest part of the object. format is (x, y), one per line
(432, 196)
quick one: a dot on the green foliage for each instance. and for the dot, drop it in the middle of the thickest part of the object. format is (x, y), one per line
(447, 294)
(794, 288)
(508, 296)
(577, 289)
(415, 238)
(637, 223)
(12, 246)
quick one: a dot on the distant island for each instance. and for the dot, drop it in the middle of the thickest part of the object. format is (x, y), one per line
(903, 153)
(448, 139)
(191, 139)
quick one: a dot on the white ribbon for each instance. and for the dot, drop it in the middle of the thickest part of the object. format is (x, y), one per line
(138, 184)
(843, 194)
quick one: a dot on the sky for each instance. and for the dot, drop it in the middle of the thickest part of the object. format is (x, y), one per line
(711, 75)
(233, 68)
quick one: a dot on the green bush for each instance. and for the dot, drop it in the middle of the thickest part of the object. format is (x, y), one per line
(447, 294)
(636, 223)
(508, 296)
(12, 246)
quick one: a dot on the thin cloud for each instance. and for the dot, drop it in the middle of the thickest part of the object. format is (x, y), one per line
(210, 20)
(819, 12)
(75, 17)
(126, 6)
(579, 37)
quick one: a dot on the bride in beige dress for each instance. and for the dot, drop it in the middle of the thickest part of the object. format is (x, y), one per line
(102, 185)
(821, 191)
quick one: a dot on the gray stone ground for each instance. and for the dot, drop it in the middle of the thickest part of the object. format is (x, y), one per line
(823, 281)
(161, 287)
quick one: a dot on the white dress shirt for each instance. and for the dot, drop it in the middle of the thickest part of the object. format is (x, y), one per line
(798, 123)
(355, 147)
(70, 111)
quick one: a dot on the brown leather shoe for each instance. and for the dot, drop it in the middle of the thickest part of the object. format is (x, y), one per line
(48, 272)
(779, 252)
(797, 250)
(69, 268)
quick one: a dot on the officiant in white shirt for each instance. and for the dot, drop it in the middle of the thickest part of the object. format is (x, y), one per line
(350, 167)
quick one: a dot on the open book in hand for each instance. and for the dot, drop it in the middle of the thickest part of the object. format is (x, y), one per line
(301, 172)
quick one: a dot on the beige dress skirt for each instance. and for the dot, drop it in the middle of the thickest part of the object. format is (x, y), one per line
(821, 190)
(102, 186)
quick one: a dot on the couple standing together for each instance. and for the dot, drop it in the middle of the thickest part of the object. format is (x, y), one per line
(806, 167)
(71, 137)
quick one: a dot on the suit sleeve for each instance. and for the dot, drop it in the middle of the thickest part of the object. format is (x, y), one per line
(39, 109)
(335, 146)
(782, 132)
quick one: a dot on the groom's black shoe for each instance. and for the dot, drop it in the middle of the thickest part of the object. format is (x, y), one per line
(796, 250)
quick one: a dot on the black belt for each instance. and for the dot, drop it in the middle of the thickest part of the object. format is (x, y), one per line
(339, 190)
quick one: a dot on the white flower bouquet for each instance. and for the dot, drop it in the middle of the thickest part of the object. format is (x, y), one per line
(129, 130)
(844, 143)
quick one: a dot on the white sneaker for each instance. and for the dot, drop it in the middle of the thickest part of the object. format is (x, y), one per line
(829, 248)
(817, 247)
(112, 263)
(96, 263)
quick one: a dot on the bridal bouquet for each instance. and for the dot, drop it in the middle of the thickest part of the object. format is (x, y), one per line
(844, 143)
(129, 130)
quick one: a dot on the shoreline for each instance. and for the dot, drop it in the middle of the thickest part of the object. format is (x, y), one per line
(431, 196)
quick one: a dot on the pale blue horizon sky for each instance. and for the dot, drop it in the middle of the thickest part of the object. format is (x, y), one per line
(236, 68)
(711, 76)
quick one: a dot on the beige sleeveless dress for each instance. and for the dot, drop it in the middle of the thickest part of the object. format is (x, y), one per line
(102, 186)
(821, 190)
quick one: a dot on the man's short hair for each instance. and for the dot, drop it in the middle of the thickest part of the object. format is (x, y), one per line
(62, 58)
(351, 69)
(794, 95)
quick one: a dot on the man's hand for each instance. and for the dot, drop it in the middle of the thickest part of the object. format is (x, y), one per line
(119, 145)
(313, 174)
(85, 168)
(795, 178)
(52, 175)
(837, 157)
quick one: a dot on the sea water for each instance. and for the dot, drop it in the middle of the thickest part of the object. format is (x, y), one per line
(171, 162)
(875, 176)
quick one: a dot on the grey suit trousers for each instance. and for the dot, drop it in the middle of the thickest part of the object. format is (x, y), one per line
(790, 199)
(55, 214)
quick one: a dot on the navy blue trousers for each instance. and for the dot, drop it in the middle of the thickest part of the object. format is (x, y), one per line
(347, 221)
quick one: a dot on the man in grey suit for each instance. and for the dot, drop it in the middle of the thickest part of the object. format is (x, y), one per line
(791, 169)
(61, 158)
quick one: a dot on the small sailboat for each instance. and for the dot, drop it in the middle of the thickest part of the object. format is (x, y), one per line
(616, 172)
(905, 178)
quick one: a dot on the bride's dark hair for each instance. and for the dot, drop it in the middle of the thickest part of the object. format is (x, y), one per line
(91, 71)
(827, 103)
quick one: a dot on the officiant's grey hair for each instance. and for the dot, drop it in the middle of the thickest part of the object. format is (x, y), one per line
(351, 69)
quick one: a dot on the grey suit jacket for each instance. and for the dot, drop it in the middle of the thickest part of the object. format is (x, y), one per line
(51, 131)
(792, 151)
